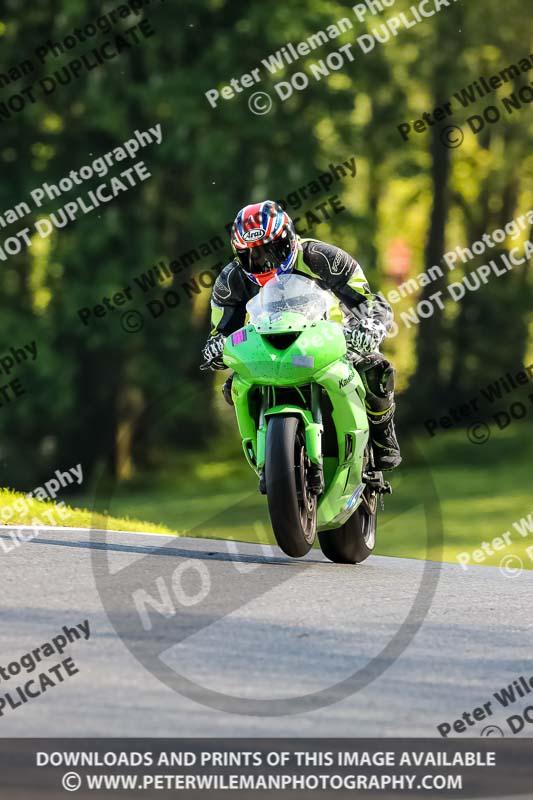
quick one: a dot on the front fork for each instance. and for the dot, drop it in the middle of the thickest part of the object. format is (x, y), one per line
(315, 472)
(312, 420)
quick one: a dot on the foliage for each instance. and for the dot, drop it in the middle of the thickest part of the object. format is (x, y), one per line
(125, 401)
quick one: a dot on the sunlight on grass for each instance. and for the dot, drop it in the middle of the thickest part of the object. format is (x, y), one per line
(481, 492)
(15, 510)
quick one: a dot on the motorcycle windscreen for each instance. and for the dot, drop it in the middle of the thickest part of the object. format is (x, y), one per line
(289, 293)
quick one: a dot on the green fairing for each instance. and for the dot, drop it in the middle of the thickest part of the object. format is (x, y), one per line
(317, 356)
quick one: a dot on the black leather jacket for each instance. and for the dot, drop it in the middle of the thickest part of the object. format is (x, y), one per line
(333, 268)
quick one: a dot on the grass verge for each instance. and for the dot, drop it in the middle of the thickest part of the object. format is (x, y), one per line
(483, 491)
(16, 509)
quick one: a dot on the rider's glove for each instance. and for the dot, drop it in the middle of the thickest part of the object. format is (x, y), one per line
(212, 352)
(367, 337)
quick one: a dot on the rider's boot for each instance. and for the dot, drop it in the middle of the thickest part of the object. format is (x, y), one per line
(382, 433)
(378, 377)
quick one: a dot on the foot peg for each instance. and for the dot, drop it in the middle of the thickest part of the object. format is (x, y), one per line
(376, 482)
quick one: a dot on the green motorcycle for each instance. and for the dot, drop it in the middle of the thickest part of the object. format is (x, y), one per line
(300, 406)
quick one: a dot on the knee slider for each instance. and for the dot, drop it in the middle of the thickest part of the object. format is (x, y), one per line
(378, 379)
(388, 380)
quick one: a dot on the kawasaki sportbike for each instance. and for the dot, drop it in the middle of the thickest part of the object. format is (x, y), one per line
(300, 406)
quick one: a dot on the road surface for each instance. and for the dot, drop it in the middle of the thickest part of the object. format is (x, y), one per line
(242, 620)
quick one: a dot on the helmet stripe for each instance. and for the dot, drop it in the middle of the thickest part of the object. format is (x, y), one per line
(237, 233)
(280, 224)
(271, 222)
(252, 215)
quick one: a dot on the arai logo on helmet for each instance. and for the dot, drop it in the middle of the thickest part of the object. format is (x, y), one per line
(254, 235)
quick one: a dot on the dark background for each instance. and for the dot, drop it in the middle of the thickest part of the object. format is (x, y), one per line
(94, 393)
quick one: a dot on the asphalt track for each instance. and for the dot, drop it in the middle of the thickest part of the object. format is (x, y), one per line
(258, 626)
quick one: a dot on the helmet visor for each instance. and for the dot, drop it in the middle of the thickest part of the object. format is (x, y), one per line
(265, 257)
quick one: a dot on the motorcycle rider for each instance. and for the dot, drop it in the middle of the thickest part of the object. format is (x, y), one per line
(266, 244)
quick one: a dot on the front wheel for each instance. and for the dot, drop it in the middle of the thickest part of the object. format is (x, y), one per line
(354, 541)
(292, 507)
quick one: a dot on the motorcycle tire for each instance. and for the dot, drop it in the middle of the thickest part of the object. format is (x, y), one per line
(354, 541)
(292, 508)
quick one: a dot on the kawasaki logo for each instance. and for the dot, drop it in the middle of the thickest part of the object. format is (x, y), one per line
(254, 235)
(345, 381)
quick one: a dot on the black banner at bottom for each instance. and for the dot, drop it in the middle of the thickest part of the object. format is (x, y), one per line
(245, 768)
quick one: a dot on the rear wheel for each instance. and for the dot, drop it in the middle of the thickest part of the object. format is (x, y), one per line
(354, 541)
(292, 507)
